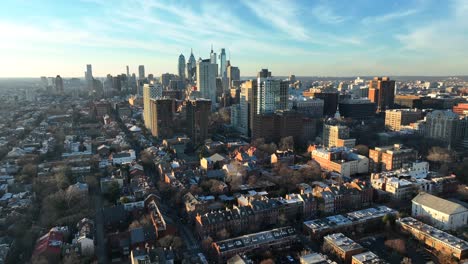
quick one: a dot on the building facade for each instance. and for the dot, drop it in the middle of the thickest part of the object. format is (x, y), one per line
(397, 118)
(382, 92)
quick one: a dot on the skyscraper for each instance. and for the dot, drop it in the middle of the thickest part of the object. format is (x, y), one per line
(141, 72)
(222, 64)
(272, 94)
(161, 117)
(58, 85)
(191, 67)
(150, 91)
(382, 92)
(181, 67)
(213, 57)
(206, 80)
(233, 74)
(198, 112)
(89, 77)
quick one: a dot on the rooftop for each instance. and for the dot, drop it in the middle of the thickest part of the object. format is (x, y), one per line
(368, 257)
(439, 204)
(435, 233)
(342, 242)
(256, 239)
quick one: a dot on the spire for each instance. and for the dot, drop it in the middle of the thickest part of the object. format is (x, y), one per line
(212, 48)
(191, 51)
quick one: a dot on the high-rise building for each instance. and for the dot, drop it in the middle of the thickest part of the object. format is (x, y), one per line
(309, 107)
(166, 78)
(337, 136)
(150, 91)
(191, 67)
(395, 119)
(59, 84)
(272, 95)
(161, 117)
(181, 67)
(233, 74)
(222, 64)
(330, 100)
(213, 58)
(206, 80)
(198, 112)
(382, 92)
(89, 77)
(141, 72)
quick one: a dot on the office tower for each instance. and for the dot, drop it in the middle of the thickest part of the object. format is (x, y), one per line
(395, 119)
(233, 74)
(248, 89)
(117, 83)
(390, 157)
(58, 85)
(181, 67)
(198, 112)
(446, 126)
(191, 67)
(330, 100)
(264, 73)
(166, 79)
(108, 84)
(89, 77)
(309, 107)
(222, 64)
(213, 58)
(206, 80)
(337, 136)
(382, 92)
(161, 117)
(141, 72)
(150, 91)
(357, 108)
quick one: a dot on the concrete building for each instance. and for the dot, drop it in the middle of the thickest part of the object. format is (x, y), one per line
(446, 126)
(397, 118)
(233, 75)
(382, 92)
(440, 212)
(161, 117)
(272, 95)
(330, 100)
(58, 85)
(341, 160)
(198, 112)
(337, 136)
(150, 91)
(206, 80)
(342, 246)
(309, 107)
(434, 238)
(390, 157)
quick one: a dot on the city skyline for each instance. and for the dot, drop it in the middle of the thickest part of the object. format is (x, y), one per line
(324, 38)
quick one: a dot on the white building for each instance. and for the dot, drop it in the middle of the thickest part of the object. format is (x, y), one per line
(271, 95)
(206, 80)
(442, 213)
(123, 157)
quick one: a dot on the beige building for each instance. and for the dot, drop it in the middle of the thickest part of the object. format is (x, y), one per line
(390, 157)
(396, 119)
(337, 136)
(341, 160)
(442, 213)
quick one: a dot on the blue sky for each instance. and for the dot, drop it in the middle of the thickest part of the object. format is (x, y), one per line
(319, 37)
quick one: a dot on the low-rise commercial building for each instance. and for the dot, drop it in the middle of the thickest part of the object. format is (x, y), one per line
(390, 157)
(367, 257)
(342, 246)
(341, 160)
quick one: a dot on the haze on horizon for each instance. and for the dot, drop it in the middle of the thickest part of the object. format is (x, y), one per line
(323, 38)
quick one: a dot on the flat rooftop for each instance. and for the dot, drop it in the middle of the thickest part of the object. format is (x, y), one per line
(342, 242)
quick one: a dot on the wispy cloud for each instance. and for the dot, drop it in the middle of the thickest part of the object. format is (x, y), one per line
(282, 15)
(325, 14)
(390, 16)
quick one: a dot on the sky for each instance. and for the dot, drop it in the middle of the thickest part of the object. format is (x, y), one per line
(305, 38)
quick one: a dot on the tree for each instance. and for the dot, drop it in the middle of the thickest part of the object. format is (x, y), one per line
(72, 258)
(440, 155)
(113, 192)
(287, 143)
(398, 245)
(362, 150)
(206, 243)
(171, 241)
(222, 234)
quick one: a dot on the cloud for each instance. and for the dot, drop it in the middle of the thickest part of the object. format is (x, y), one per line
(390, 16)
(282, 15)
(326, 15)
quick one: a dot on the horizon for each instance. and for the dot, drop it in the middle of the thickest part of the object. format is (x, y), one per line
(324, 38)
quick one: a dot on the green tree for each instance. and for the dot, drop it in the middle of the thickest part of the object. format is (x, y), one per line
(113, 192)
